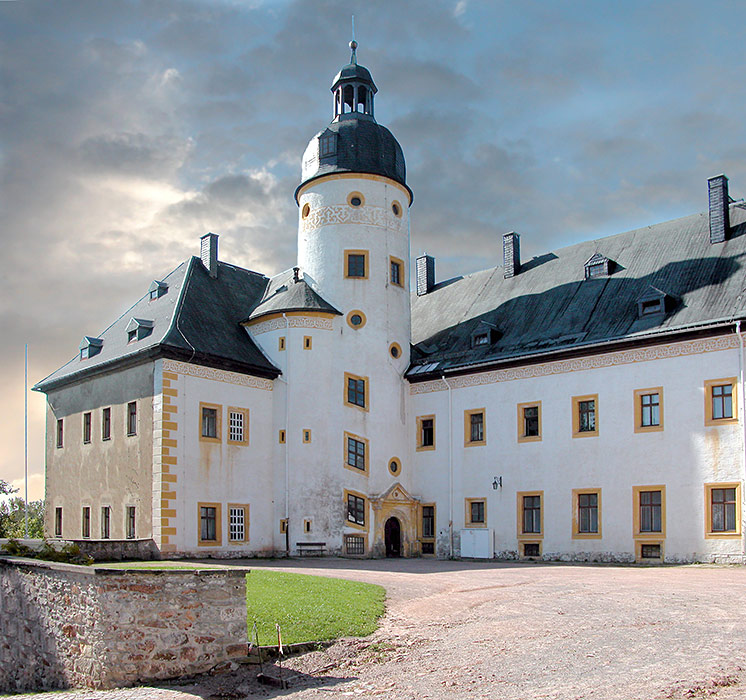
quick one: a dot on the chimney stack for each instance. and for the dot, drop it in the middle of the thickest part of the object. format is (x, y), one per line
(511, 254)
(425, 274)
(209, 253)
(719, 218)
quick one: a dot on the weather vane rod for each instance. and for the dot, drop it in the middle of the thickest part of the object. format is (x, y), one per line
(353, 43)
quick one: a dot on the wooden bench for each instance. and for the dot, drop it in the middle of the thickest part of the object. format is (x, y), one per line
(311, 549)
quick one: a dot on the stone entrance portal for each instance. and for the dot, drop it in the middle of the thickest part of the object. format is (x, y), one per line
(395, 524)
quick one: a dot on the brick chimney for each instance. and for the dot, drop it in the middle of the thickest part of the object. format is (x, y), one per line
(719, 219)
(425, 274)
(209, 253)
(511, 254)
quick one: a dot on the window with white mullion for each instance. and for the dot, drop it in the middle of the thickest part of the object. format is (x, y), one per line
(237, 525)
(236, 426)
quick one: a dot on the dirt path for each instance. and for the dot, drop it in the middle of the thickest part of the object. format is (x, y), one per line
(517, 631)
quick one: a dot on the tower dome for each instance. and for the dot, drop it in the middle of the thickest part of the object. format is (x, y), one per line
(353, 142)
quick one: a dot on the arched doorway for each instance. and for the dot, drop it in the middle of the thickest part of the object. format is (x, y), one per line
(392, 536)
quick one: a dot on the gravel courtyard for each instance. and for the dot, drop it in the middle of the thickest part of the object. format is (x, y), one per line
(510, 631)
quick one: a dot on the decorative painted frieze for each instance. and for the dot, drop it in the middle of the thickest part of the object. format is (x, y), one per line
(344, 214)
(218, 375)
(274, 324)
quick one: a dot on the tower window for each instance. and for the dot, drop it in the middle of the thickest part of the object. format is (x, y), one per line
(327, 145)
(356, 264)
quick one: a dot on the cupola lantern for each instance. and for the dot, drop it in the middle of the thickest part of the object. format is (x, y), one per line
(353, 90)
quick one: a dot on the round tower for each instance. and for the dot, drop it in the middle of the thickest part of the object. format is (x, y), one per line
(353, 250)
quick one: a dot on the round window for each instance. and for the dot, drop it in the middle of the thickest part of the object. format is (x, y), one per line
(356, 319)
(355, 199)
(395, 350)
(394, 466)
(396, 208)
(306, 210)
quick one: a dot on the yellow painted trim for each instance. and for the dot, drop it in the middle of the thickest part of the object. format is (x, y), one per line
(246, 424)
(467, 512)
(281, 437)
(366, 398)
(359, 195)
(306, 435)
(355, 176)
(168, 513)
(351, 314)
(648, 536)
(576, 534)
(576, 433)
(420, 536)
(468, 442)
(307, 342)
(170, 392)
(399, 351)
(281, 314)
(366, 268)
(420, 446)
(218, 422)
(709, 420)
(281, 343)
(638, 550)
(348, 522)
(522, 536)
(366, 442)
(245, 507)
(402, 269)
(218, 526)
(170, 375)
(169, 478)
(521, 436)
(397, 461)
(731, 534)
(639, 393)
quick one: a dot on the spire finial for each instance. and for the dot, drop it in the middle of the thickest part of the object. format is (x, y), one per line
(353, 43)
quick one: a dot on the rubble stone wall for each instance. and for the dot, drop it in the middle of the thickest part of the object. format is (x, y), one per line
(65, 626)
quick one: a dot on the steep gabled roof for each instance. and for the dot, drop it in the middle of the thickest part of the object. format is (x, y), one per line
(549, 306)
(198, 320)
(283, 294)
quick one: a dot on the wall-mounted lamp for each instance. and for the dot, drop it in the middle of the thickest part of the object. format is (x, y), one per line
(497, 481)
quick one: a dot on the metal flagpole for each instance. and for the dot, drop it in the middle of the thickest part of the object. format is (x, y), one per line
(25, 434)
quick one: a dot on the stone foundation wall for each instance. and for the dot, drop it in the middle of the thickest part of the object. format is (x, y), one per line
(67, 626)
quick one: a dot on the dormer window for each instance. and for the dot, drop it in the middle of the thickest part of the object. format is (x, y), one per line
(90, 346)
(480, 339)
(328, 145)
(138, 328)
(157, 289)
(652, 302)
(597, 266)
(485, 334)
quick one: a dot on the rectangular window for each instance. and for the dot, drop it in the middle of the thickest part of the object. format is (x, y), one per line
(58, 522)
(723, 510)
(238, 523)
(356, 453)
(283, 526)
(529, 421)
(356, 264)
(396, 267)
(132, 418)
(650, 511)
(476, 512)
(720, 401)
(306, 526)
(238, 425)
(106, 424)
(354, 545)
(130, 527)
(281, 437)
(209, 418)
(356, 391)
(474, 433)
(428, 522)
(105, 522)
(425, 433)
(327, 145)
(85, 530)
(585, 415)
(209, 523)
(87, 422)
(281, 343)
(649, 410)
(60, 432)
(586, 513)
(306, 435)
(355, 509)
(530, 515)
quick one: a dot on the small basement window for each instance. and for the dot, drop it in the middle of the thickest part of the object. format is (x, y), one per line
(650, 551)
(531, 549)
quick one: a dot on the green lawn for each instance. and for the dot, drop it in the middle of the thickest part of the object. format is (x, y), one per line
(310, 608)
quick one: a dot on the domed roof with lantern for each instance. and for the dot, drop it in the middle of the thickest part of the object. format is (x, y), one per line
(354, 142)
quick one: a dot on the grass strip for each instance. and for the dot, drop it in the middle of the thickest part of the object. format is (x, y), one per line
(310, 608)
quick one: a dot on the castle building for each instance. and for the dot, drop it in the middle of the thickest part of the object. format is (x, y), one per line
(583, 405)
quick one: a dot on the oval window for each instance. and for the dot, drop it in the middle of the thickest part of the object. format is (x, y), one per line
(394, 466)
(306, 210)
(396, 208)
(395, 350)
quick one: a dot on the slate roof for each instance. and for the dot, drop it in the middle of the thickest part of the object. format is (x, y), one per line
(282, 294)
(550, 307)
(197, 320)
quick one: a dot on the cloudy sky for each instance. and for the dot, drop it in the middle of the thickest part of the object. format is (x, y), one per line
(128, 129)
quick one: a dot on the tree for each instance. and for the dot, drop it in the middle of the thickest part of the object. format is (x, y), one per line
(13, 518)
(6, 488)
